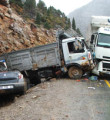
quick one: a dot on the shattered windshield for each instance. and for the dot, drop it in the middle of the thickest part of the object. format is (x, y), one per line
(104, 40)
(2, 66)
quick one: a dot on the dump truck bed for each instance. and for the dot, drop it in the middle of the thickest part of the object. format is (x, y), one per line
(33, 58)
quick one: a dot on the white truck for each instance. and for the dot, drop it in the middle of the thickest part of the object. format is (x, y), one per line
(100, 44)
(67, 55)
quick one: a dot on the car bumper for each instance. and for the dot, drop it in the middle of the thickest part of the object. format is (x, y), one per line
(12, 88)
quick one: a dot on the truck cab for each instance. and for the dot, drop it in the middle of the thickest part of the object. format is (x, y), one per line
(75, 51)
(76, 55)
(100, 45)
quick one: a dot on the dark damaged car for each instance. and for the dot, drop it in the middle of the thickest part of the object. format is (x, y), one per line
(11, 82)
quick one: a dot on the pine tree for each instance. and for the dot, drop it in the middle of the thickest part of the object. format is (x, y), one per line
(73, 24)
(18, 2)
(47, 25)
(78, 31)
(41, 6)
(38, 19)
(30, 8)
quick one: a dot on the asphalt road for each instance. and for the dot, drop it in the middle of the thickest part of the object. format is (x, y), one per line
(62, 99)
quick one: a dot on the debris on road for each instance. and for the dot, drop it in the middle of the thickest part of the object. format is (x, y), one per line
(35, 96)
(101, 80)
(91, 88)
(93, 78)
(86, 79)
(78, 80)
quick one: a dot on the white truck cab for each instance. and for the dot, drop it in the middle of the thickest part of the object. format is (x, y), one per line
(100, 44)
(75, 51)
(77, 56)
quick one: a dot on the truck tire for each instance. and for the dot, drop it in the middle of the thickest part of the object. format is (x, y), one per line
(75, 72)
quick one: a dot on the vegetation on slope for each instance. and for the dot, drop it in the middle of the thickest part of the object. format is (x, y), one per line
(42, 16)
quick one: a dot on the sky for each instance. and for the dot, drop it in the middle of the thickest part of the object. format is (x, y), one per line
(66, 6)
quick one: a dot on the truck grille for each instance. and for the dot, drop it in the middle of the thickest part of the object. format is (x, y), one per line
(106, 66)
(106, 57)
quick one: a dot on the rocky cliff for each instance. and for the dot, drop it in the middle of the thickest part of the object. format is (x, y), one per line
(15, 33)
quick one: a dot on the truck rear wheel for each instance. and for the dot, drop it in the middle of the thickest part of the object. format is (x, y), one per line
(75, 72)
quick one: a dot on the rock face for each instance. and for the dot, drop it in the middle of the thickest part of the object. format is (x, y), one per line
(83, 15)
(15, 33)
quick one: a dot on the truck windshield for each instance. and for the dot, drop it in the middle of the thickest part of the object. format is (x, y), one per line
(76, 47)
(2, 66)
(104, 40)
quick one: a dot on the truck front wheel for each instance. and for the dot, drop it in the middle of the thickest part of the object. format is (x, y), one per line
(75, 72)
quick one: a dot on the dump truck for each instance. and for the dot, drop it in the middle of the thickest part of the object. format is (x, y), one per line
(68, 55)
(100, 44)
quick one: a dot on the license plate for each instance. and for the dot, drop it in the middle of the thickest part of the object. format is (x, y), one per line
(6, 87)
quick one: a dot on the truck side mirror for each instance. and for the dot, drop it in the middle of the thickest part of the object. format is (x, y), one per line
(92, 39)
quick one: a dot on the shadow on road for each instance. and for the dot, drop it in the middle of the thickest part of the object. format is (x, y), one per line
(6, 100)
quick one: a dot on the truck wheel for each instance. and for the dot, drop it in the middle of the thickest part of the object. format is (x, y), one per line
(75, 72)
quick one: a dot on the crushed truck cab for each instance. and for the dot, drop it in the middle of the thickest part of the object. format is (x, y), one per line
(75, 52)
(76, 55)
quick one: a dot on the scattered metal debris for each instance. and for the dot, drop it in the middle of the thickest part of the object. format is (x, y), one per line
(93, 78)
(91, 88)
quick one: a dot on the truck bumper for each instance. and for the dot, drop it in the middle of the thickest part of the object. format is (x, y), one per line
(102, 68)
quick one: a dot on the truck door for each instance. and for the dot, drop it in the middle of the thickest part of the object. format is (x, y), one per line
(93, 42)
(75, 52)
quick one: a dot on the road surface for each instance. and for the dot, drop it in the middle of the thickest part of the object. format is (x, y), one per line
(61, 99)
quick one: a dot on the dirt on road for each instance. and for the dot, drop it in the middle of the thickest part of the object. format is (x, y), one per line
(62, 99)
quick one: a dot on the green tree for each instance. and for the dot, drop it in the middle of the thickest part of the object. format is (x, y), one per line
(68, 23)
(38, 19)
(41, 7)
(18, 2)
(73, 24)
(78, 31)
(47, 25)
(30, 8)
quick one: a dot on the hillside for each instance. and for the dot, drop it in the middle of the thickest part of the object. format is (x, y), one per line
(23, 24)
(83, 15)
(16, 33)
